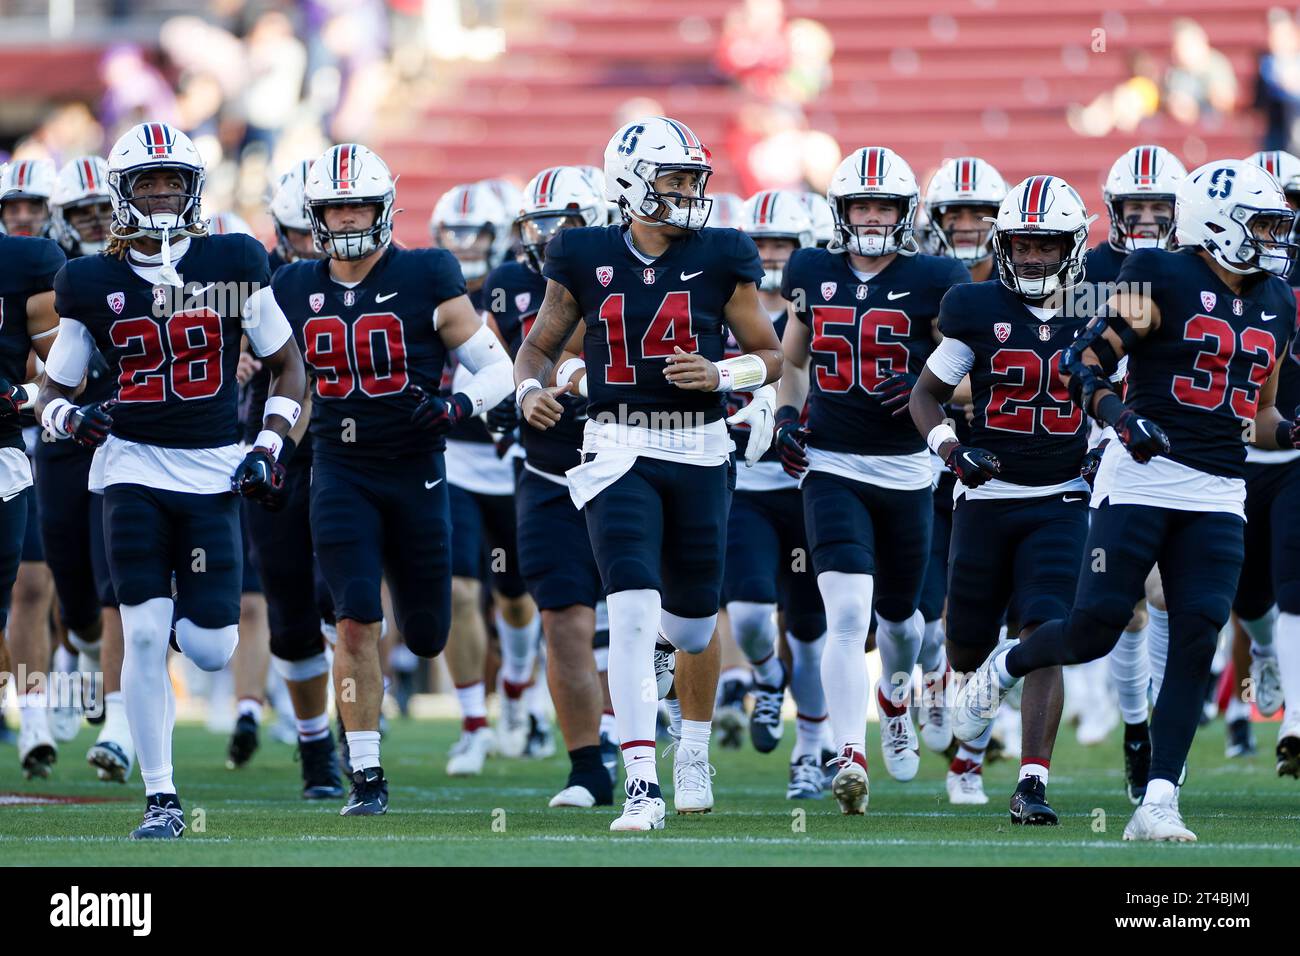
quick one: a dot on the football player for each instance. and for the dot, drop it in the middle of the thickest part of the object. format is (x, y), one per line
(823, 219)
(1268, 597)
(1020, 514)
(296, 598)
(26, 189)
(376, 324)
(71, 516)
(864, 311)
(1203, 344)
(170, 454)
(471, 222)
(766, 545)
(555, 556)
(655, 484)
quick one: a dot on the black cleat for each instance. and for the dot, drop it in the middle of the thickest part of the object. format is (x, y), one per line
(320, 769)
(369, 796)
(1137, 761)
(765, 724)
(1241, 739)
(163, 818)
(1288, 757)
(243, 742)
(1029, 806)
(729, 716)
(610, 754)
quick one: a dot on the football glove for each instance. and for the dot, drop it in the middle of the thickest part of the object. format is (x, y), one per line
(259, 478)
(11, 400)
(791, 438)
(896, 390)
(1091, 462)
(1143, 438)
(759, 415)
(972, 466)
(503, 416)
(89, 425)
(1288, 432)
(439, 415)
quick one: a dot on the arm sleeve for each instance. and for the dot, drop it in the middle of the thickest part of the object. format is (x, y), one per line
(492, 372)
(951, 360)
(265, 323)
(558, 265)
(70, 354)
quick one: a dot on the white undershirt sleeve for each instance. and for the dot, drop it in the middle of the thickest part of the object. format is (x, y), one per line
(264, 323)
(70, 354)
(951, 361)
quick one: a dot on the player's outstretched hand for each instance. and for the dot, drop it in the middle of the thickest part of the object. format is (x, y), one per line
(436, 414)
(896, 390)
(1143, 438)
(541, 407)
(972, 466)
(260, 478)
(760, 416)
(791, 438)
(690, 370)
(89, 425)
(249, 365)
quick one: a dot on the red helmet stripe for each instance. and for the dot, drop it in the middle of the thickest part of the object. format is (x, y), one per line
(873, 166)
(87, 174)
(965, 175)
(764, 209)
(1271, 162)
(20, 174)
(545, 186)
(1035, 196)
(464, 200)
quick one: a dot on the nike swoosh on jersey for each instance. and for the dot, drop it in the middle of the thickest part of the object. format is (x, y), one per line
(692, 275)
(897, 295)
(1068, 498)
(430, 484)
(198, 292)
(385, 297)
(1266, 317)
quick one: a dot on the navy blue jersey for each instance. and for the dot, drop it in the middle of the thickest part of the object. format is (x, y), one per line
(1102, 263)
(1023, 411)
(276, 261)
(1287, 400)
(737, 400)
(636, 314)
(474, 429)
(1198, 375)
(173, 356)
(365, 345)
(860, 333)
(27, 267)
(252, 400)
(513, 295)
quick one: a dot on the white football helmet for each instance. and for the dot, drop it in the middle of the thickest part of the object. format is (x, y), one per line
(642, 151)
(823, 219)
(1041, 206)
(777, 214)
(462, 218)
(552, 200)
(597, 177)
(1238, 213)
(83, 185)
(874, 172)
(146, 147)
(966, 181)
(728, 211)
(350, 175)
(34, 179)
(1144, 172)
(226, 223)
(288, 207)
(1282, 166)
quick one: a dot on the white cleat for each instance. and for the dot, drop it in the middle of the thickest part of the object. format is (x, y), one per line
(512, 729)
(36, 748)
(966, 789)
(641, 812)
(692, 780)
(936, 727)
(1268, 684)
(1159, 821)
(898, 746)
(850, 785)
(64, 723)
(469, 753)
(574, 796)
(979, 698)
(1096, 723)
(111, 759)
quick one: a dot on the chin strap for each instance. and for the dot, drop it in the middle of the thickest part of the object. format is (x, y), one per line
(167, 274)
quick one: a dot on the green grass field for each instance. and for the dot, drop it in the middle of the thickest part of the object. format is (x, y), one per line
(1243, 814)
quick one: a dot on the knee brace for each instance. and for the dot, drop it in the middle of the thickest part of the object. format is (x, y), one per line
(210, 648)
(689, 634)
(754, 627)
(302, 670)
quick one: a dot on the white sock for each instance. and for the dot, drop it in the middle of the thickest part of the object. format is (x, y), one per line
(34, 713)
(806, 676)
(115, 727)
(1287, 646)
(932, 657)
(633, 628)
(1261, 633)
(808, 737)
(1157, 647)
(363, 749)
(538, 701)
(609, 726)
(1000, 669)
(674, 715)
(1034, 770)
(65, 662)
(1130, 669)
(518, 649)
(1159, 791)
(754, 627)
(972, 751)
(899, 643)
(250, 706)
(147, 690)
(695, 734)
(847, 598)
(472, 699)
(1237, 708)
(313, 728)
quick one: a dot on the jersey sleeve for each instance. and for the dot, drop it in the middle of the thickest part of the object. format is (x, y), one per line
(499, 303)
(258, 263)
(265, 323)
(559, 265)
(955, 313)
(65, 300)
(792, 283)
(958, 274)
(445, 278)
(47, 262)
(746, 266)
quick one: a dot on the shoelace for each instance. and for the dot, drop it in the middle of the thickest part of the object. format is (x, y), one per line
(971, 781)
(163, 816)
(767, 707)
(693, 773)
(897, 728)
(980, 699)
(807, 772)
(1167, 814)
(638, 797)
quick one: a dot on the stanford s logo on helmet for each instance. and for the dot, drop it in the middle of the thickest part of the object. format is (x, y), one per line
(1237, 212)
(152, 146)
(347, 175)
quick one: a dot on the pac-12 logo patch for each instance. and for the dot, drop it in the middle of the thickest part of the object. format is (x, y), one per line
(1002, 330)
(522, 299)
(316, 300)
(117, 301)
(1208, 299)
(604, 274)
(828, 290)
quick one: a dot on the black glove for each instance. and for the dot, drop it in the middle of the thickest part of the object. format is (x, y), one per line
(503, 416)
(1143, 438)
(260, 478)
(896, 390)
(89, 425)
(972, 466)
(791, 437)
(11, 400)
(437, 414)
(1091, 462)
(1288, 432)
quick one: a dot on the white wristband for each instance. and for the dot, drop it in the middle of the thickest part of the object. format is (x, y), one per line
(526, 386)
(30, 389)
(54, 416)
(742, 373)
(567, 369)
(286, 408)
(269, 440)
(939, 434)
